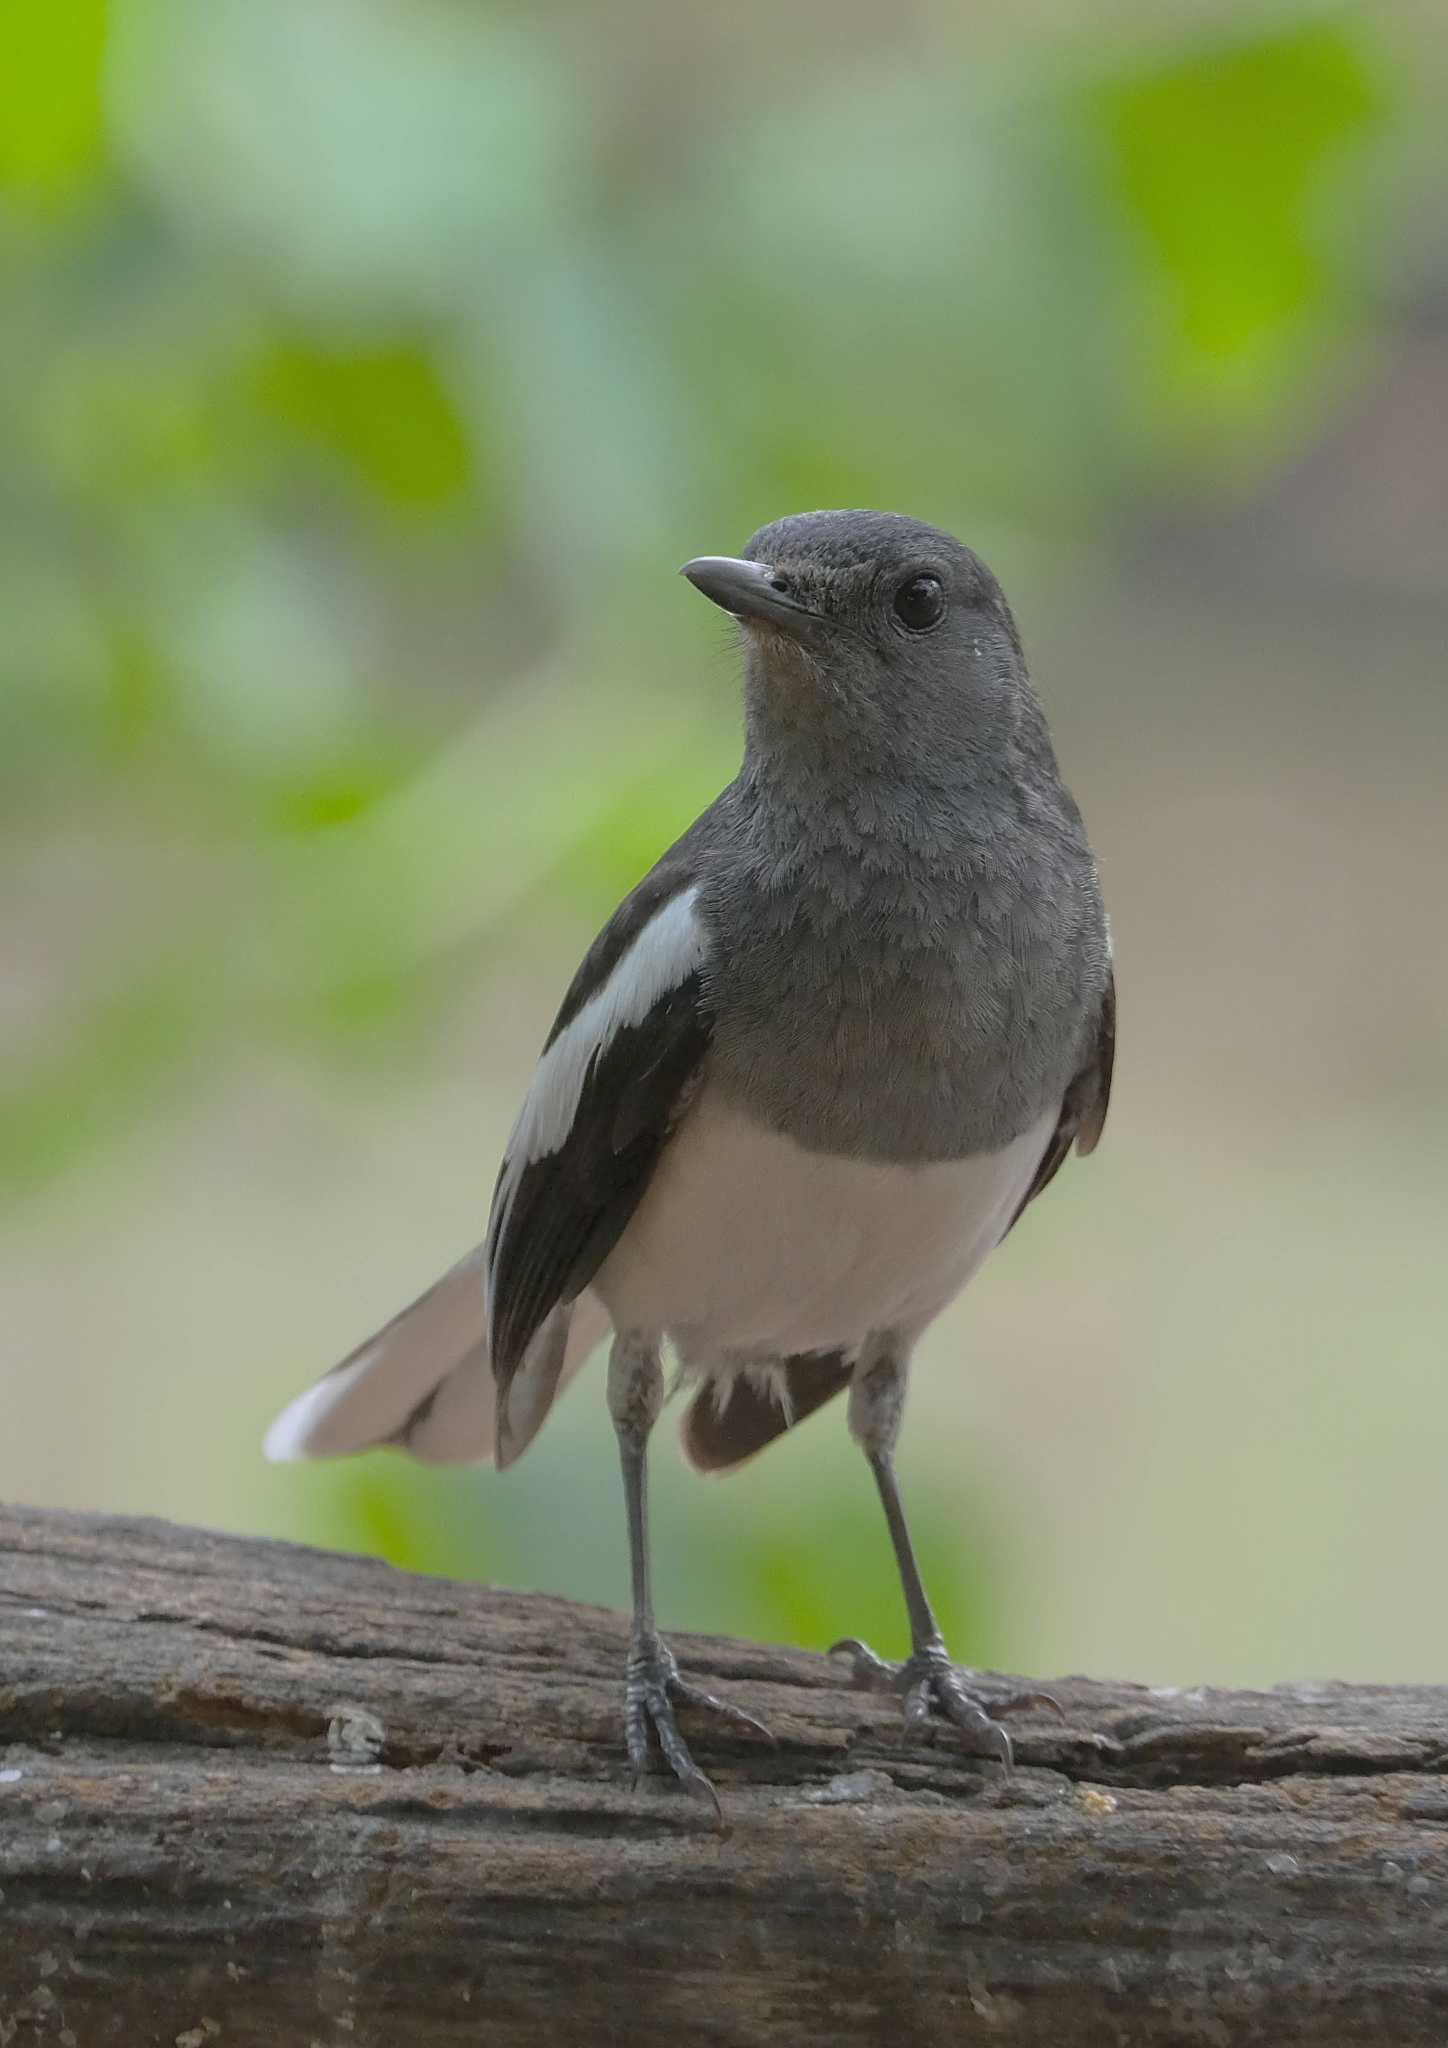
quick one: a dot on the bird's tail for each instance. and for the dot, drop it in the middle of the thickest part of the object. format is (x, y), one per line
(424, 1381)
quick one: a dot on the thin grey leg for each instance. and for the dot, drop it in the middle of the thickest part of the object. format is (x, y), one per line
(928, 1679)
(635, 1396)
(652, 1681)
(877, 1407)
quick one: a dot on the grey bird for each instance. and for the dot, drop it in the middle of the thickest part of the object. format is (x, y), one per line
(807, 1077)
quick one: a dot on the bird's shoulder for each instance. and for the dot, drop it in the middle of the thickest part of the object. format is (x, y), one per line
(676, 873)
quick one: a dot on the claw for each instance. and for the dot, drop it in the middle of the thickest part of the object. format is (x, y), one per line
(650, 1689)
(962, 1707)
(695, 1696)
(930, 1684)
(1023, 1702)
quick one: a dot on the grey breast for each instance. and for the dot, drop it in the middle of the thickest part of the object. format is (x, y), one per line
(900, 1002)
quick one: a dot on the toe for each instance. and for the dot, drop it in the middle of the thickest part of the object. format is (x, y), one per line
(683, 1766)
(987, 1736)
(695, 1696)
(1024, 1702)
(989, 1739)
(636, 1735)
(867, 1670)
(651, 1685)
(918, 1702)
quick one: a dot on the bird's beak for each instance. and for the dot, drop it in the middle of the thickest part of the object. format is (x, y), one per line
(751, 590)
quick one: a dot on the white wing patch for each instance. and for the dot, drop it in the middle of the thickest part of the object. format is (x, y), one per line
(671, 947)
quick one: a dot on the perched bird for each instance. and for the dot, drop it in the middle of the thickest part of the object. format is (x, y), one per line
(808, 1075)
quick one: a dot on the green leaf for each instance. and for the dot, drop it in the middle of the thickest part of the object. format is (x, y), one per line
(51, 134)
(381, 410)
(1223, 159)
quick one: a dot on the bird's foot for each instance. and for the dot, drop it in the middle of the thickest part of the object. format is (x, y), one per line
(930, 1684)
(651, 1687)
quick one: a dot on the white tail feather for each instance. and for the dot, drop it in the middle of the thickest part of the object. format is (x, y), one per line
(367, 1398)
(457, 1426)
(436, 1347)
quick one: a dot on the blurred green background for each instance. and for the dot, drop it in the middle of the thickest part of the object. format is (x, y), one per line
(365, 372)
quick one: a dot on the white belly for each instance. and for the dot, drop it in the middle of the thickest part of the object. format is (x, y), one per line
(745, 1243)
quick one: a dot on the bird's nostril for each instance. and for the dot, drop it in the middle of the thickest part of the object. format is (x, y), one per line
(779, 583)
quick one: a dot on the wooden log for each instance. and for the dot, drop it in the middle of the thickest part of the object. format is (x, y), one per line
(251, 1793)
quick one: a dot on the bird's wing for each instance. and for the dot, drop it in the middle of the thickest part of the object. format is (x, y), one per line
(614, 1078)
(1083, 1107)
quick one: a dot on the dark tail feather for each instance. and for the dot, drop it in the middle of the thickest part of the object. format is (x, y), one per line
(719, 1434)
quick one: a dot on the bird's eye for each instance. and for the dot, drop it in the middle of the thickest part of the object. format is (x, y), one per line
(920, 603)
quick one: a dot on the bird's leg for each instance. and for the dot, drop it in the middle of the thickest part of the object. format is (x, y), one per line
(928, 1679)
(652, 1682)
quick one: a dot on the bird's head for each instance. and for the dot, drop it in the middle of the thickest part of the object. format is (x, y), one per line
(871, 635)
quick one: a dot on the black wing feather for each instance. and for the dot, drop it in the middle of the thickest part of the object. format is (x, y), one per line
(562, 1213)
(1083, 1108)
(570, 1207)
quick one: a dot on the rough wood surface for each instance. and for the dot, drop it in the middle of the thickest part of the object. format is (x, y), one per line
(256, 1794)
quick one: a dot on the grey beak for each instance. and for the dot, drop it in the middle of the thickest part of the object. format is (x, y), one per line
(751, 590)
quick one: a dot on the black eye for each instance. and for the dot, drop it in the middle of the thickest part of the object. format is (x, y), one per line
(920, 603)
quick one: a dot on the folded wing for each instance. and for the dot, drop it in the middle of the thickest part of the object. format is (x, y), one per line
(616, 1075)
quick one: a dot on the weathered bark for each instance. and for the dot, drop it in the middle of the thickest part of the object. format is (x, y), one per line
(257, 1794)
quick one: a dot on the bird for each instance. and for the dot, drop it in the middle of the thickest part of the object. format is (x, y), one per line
(808, 1076)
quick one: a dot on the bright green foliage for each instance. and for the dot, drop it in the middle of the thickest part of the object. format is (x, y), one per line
(1235, 164)
(52, 136)
(380, 412)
